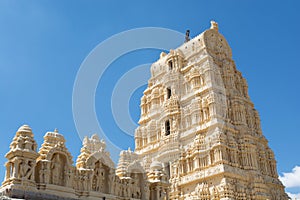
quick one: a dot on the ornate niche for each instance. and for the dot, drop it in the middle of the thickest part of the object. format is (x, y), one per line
(57, 168)
(171, 105)
(194, 78)
(139, 187)
(174, 60)
(54, 165)
(99, 175)
(97, 165)
(159, 184)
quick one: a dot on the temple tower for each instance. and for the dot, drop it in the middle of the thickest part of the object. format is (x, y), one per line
(94, 168)
(199, 138)
(54, 169)
(199, 122)
(20, 167)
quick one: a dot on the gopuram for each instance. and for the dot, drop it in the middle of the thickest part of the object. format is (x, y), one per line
(199, 138)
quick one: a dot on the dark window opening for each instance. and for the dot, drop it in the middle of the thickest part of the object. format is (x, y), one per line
(169, 93)
(167, 169)
(170, 63)
(167, 127)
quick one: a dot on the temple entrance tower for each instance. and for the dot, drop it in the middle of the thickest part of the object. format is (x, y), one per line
(198, 120)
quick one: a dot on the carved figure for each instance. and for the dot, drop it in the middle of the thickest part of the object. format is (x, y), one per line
(56, 168)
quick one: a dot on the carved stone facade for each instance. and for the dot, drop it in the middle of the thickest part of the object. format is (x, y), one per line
(198, 120)
(199, 138)
(50, 174)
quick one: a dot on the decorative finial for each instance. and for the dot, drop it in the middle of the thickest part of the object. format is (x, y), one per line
(162, 54)
(24, 128)
(85, 140)
(214, 25)
(187, 36)
(55, 130)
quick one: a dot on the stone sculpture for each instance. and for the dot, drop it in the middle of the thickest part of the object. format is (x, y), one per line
(203, 141)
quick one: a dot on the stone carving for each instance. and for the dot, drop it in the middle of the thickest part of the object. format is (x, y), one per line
(26, 169)
(56, 170)
(42, 175)
(199, 137)
(68, 176)
(210, 90)
(99, 177)
(22, 158)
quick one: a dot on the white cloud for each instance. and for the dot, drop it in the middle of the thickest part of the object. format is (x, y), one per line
(294, 196)
(291, 179)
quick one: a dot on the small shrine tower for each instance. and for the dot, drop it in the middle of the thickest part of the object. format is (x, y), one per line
(20, 167)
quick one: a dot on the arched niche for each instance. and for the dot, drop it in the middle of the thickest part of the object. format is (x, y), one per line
(100, 177)
(138, 181)
(106, 160)
(61, 151)
(58, 168)
(102, 167)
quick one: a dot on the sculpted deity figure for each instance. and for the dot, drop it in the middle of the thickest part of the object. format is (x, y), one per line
(101, 179)
(95, 178)
(20, 143)
(29, 174)
(42, 173)
(85, 181)
(26, 170)
(122, 188)
(68, 176)
(111, 181)
(81, 180)
(56, 170)
(47, 175)
(28, 143)
(137, 188)
(147, 190)
(23, 168)
(117, 187)
(77, 180)
(128, 188)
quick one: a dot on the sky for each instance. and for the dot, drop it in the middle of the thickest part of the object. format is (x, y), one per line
(43, 45)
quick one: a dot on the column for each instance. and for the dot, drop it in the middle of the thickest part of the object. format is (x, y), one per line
(157, 192)
(167, 194)
(16, 169)
(8, 170)
(187, 165)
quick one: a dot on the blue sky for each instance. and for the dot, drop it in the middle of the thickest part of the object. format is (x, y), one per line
(43, 43)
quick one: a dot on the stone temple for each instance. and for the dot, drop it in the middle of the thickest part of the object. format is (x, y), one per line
(199, 137)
